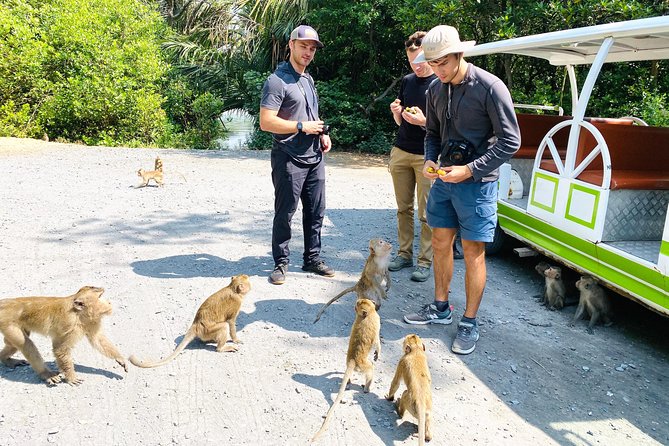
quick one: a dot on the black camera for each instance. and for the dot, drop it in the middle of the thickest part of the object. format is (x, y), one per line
(326, 130)
(458, 153)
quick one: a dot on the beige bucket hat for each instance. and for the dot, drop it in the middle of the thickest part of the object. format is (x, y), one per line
(440, 41)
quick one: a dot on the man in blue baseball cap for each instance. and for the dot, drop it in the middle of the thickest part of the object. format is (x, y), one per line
(289, 110)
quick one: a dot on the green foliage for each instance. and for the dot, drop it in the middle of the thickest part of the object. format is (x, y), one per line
(99, 70)
(17, 121)
(89, 69)
(194, 115)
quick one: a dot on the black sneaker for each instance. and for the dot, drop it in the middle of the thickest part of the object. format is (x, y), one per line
(319, 267)
(278, 276)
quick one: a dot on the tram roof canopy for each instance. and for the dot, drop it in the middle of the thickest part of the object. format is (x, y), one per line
(643, 39)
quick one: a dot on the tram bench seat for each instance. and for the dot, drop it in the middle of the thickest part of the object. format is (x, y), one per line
(533, 128)
(639, 156)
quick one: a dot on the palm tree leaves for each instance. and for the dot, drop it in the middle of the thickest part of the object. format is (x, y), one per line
(217, 41)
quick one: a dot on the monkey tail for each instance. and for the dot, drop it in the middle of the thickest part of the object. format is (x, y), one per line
(188, 338)
(421, 424)
(320, 313)
(347, 376)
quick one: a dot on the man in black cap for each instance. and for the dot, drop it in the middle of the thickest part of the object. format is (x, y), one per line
(289, 110)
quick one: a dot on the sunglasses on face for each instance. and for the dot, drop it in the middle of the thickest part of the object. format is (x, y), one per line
(417, 42)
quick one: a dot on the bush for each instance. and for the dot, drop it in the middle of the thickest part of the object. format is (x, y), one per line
(17, 121)
(88, 69)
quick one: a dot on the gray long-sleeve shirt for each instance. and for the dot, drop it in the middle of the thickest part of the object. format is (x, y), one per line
(481, 112)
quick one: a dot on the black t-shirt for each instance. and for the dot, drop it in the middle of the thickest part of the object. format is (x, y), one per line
(295, 98)
(410, 138)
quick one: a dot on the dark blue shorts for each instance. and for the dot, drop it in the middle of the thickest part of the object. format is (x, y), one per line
(471, 207)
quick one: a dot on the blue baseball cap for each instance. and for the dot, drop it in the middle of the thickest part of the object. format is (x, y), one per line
(306, 32)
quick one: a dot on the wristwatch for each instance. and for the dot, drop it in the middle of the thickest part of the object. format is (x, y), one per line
(299, 126)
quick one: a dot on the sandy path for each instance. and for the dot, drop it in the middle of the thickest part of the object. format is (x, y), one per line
(69, 217)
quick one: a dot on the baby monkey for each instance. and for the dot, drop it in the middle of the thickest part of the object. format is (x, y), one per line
(212, 320)
(374, 273)
(594, 300)
(413, 371)
(365, 334)
(148, 175)
(554, 289)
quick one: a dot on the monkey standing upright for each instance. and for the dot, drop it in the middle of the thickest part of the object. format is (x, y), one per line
(594, 300)
(374, 274)
(417, 398)
(63, 319)
(216, 315)
(365, 334)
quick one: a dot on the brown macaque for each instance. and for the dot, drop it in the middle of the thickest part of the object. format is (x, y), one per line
(371, 283)
(213, 319)
(555, 291)
(148, 175)
(365, 334)
(412, 370)
(63, 319)
(158, 165)
(594, 301)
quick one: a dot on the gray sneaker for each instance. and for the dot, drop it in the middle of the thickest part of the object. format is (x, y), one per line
(429, 315)
(420, 274)
(278, 276)
(465, 340)
(398, 263)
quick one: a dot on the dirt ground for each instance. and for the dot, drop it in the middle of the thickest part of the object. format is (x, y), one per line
(70, 218)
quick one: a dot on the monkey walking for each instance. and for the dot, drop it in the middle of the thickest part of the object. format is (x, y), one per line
(63, 319)
(594, 300)
(374, 273)
(364, 336)
(157, 174)
(148, 175)
(216, 315)
(413, 371)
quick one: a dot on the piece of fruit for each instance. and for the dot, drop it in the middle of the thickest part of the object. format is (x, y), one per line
(441, 172)
(430, 169)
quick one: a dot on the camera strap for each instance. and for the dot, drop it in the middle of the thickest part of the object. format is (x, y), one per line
(310, 113)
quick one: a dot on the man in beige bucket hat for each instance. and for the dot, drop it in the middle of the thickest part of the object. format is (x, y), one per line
(471, 130)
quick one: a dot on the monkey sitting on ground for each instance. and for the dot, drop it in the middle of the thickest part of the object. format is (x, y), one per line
(370, 285)
(148, 175)
(65, 320)
(541, 269)
(417, 398)
(594, 300)
(364, 335)
(554, 291)
(212, 320)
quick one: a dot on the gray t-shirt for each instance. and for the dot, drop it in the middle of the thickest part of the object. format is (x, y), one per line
(481, 112)
(294, 97)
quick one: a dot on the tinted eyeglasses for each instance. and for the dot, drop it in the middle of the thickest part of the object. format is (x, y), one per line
(413, 42)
